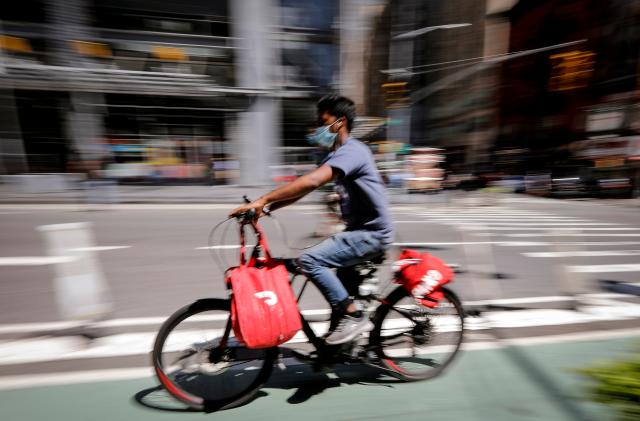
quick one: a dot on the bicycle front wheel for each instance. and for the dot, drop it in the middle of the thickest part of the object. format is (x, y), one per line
(416, 342)
(199, 361)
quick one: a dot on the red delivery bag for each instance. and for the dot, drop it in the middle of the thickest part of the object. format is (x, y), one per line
(422, 275)
(264, 311)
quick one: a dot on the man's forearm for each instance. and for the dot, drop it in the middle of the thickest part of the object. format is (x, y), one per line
(291, 191)
(281, 204)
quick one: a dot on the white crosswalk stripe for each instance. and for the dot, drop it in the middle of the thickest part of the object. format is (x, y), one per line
(65, 348)
(634, 267)
(578, 253)
(504, 222)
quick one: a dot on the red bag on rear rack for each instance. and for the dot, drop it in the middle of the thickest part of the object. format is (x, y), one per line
(264, 311)
(422, 275)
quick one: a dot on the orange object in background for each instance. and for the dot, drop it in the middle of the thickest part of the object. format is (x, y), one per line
(169, 53)
(15, 44)
(92, 49)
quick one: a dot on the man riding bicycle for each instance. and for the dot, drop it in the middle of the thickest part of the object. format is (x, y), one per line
(365, 211)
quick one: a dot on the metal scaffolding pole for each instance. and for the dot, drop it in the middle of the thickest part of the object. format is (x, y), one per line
(258, 128)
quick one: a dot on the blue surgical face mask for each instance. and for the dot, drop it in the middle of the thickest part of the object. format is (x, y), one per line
(323, 137)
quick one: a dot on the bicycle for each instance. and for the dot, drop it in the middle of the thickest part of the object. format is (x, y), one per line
(210, 370)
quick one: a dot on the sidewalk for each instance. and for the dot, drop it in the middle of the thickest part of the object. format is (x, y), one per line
(232, 194)
(144, 194)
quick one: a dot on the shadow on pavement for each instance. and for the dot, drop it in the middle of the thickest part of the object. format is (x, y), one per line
(306, 383)
(158, 398)
(301, 378)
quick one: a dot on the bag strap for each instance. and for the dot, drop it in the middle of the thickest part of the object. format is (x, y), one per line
(262, 242)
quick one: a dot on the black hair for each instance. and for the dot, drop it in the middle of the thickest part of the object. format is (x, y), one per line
(338, 106)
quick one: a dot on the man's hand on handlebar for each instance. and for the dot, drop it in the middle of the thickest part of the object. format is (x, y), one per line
(255, 207)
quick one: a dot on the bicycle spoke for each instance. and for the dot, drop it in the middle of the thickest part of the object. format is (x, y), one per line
(418, 342)
(197, 368)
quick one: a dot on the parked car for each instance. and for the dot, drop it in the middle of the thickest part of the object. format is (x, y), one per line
(574, 186)
(513, 183)
(538, 184)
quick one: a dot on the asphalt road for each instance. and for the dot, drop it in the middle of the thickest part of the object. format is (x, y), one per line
(154, 261)
(528, 257)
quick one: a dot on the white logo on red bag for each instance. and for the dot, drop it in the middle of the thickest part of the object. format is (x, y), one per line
(271, 298)
(428, 283)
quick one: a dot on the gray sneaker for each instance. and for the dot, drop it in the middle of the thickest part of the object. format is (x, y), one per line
(348, 329)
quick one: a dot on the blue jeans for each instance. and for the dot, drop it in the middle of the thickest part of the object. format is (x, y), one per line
(340, 250)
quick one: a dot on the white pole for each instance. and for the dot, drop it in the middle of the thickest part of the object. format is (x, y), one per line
(570, 283)
(480, 264)
(81, 292)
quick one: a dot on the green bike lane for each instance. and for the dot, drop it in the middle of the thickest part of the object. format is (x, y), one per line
(532, 382)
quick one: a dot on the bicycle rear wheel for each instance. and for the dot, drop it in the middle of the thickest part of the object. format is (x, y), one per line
(199, 362)
(416, 342)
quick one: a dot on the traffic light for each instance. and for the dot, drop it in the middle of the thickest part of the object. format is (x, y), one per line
(571, 70)
(395, 95)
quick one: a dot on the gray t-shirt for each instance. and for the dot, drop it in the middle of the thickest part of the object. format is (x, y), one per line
(363, 201)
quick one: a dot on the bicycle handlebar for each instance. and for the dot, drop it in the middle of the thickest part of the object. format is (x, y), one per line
(251, 214)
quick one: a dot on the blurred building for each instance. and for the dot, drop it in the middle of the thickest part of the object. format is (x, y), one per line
(408, 75)
(161, 90)
(225, 91)
(514, 86)
(572, 112)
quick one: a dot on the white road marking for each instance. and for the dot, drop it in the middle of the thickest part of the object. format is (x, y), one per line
(524, 227)
(526, 224)
(547, 234)
(598, 253)
(605, 268)
(453, 243)
(97, 376)
(471, 243)
(124, 322)
(35, 260)
(53, 260)
(125, 344)
(137, 206)
(452, 213)
(74, 377)
(568, 243)
(100, 248)
(150, 321)
(499, 219)
(64, 227)
(551, 299)
(71, 348)
(518, 243)
(481, 214)
(223, 247)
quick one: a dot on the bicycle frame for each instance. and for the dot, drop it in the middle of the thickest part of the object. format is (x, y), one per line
(318, 343)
